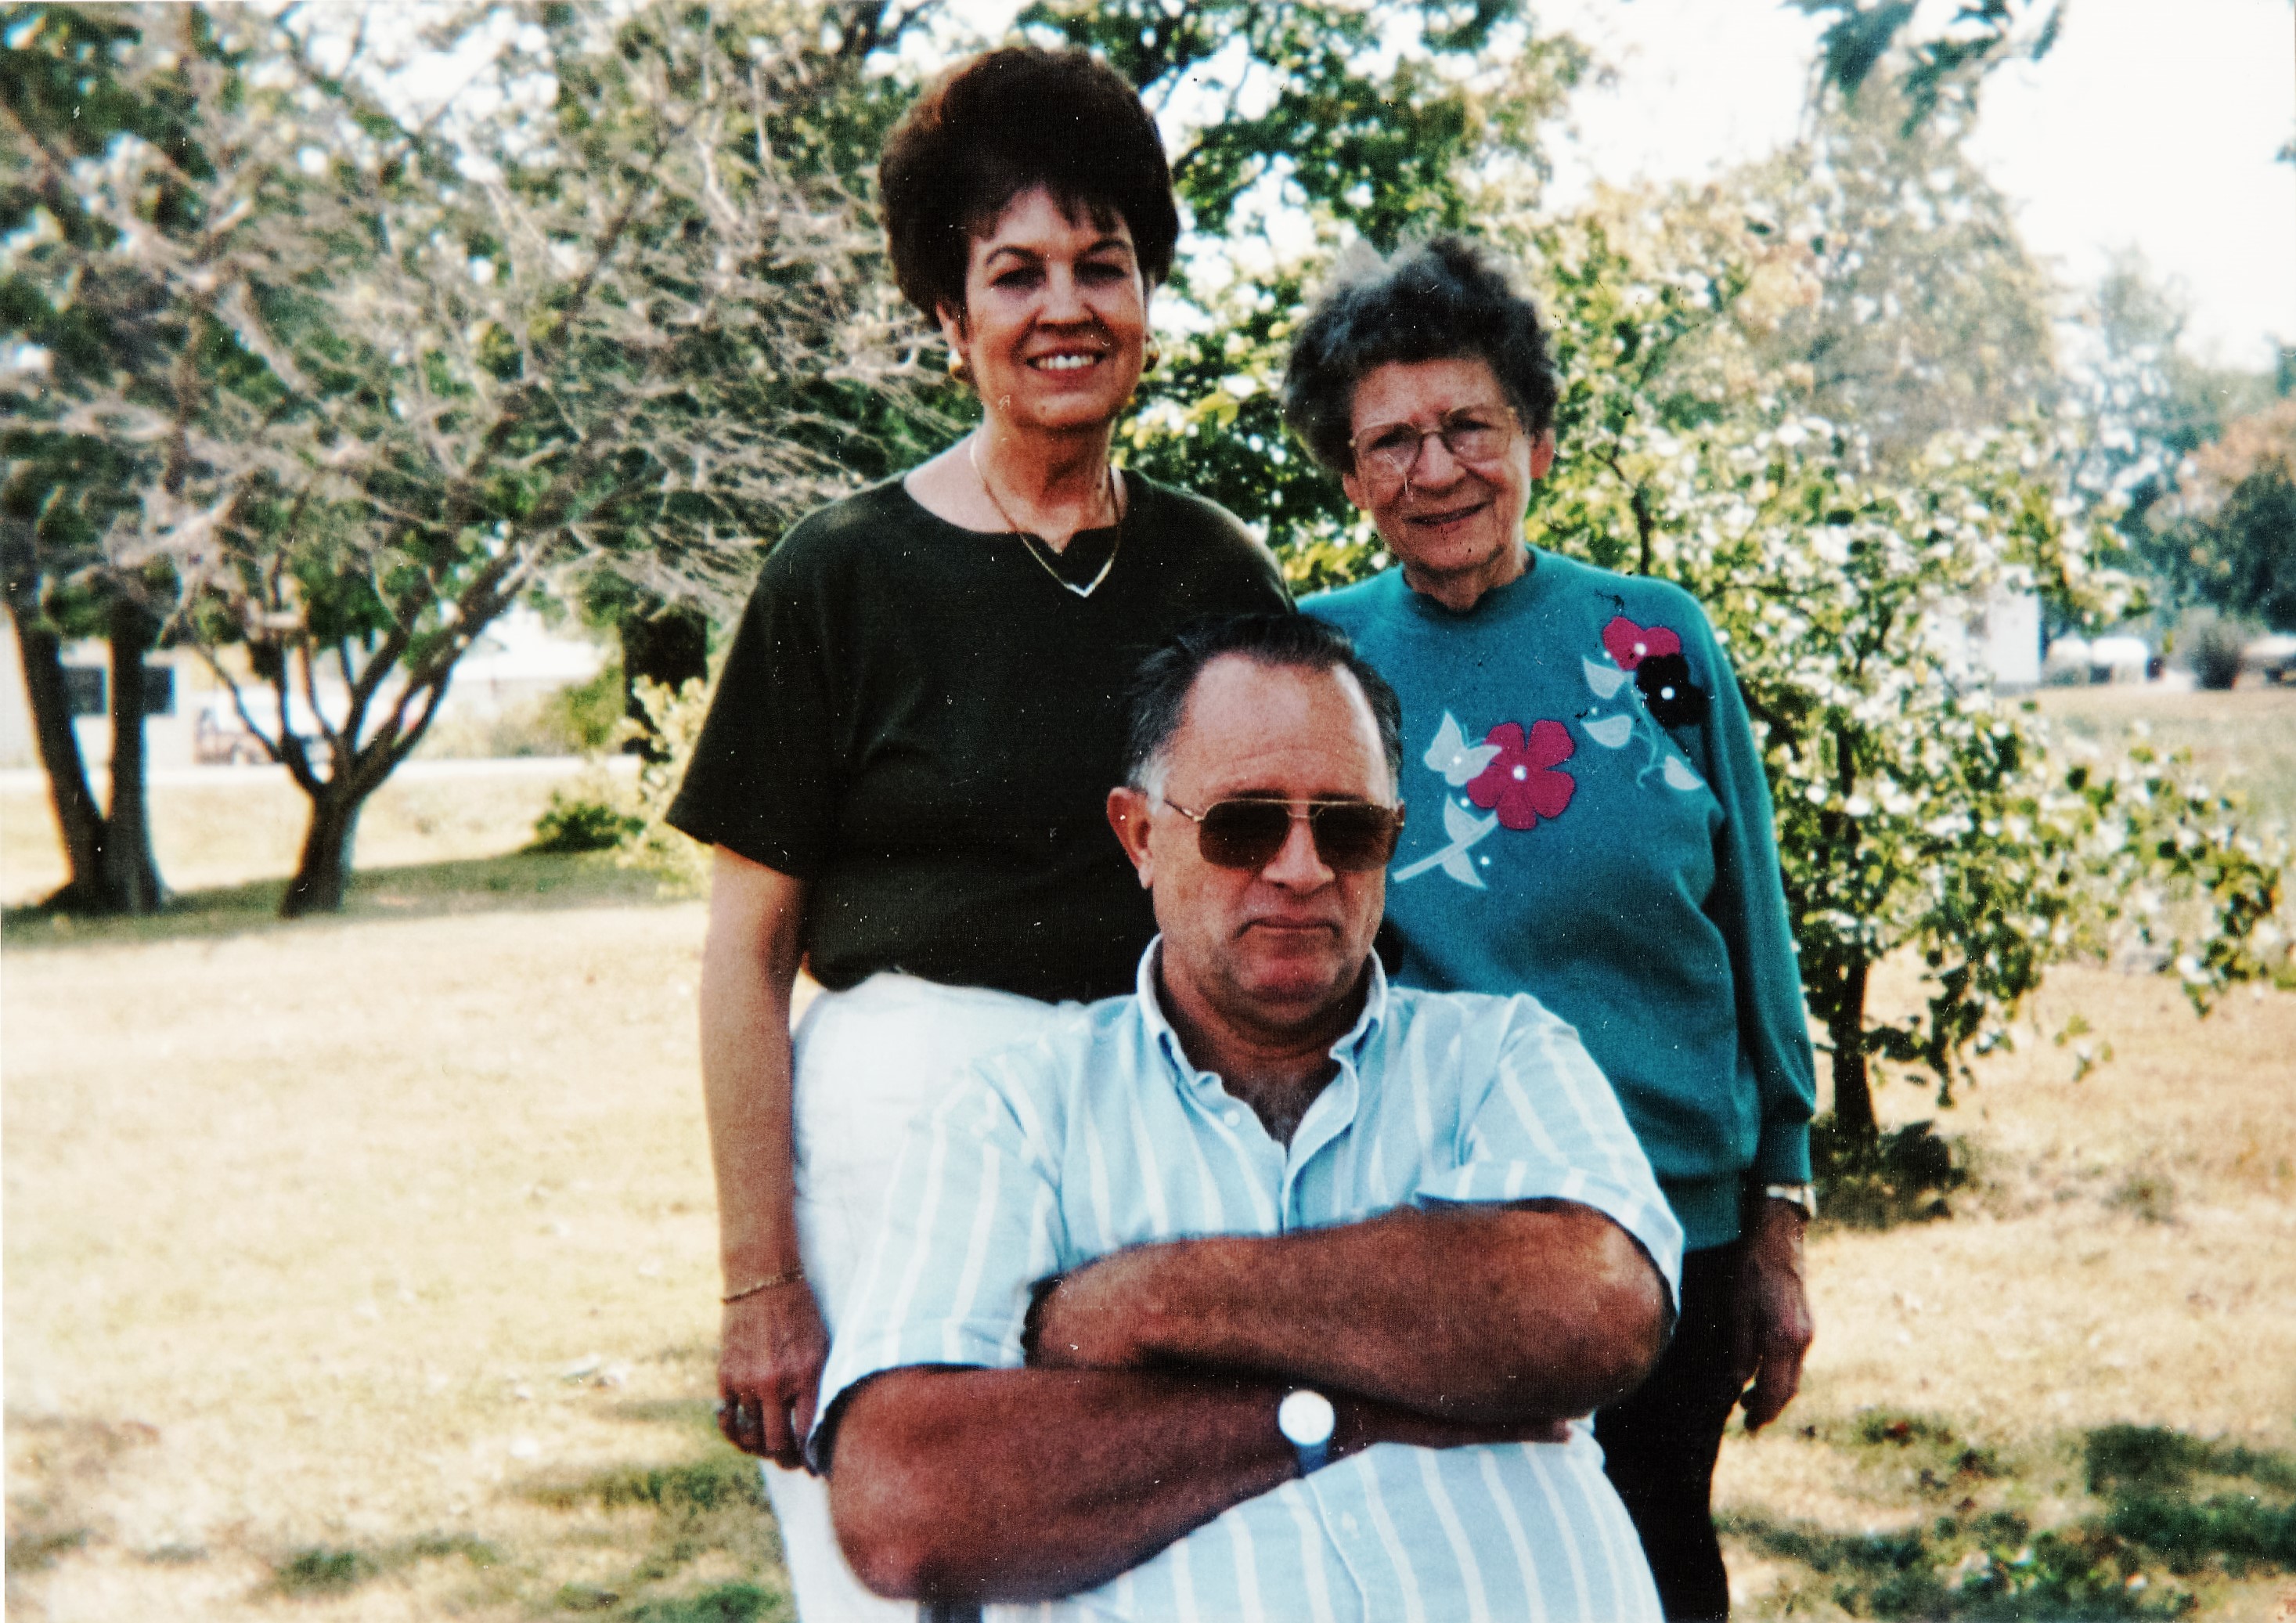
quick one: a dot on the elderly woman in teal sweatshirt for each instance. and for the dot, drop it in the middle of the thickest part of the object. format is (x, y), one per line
(1604, 840)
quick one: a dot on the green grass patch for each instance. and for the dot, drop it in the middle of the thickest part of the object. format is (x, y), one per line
(322, 1570)
(329, 1569)
(2161, 1518)
(717, 1482)
(726, 1603)
(524, 881)
(703, 1509)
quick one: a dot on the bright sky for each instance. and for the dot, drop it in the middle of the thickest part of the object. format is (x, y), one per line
(2150, 124)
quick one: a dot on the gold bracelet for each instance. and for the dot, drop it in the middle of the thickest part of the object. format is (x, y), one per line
(772, 1282)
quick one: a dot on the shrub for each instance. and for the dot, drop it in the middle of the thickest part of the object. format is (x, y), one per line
(2212, 646)
(589, 715)
(1902, 1177)
(677, 715)
(582, 821)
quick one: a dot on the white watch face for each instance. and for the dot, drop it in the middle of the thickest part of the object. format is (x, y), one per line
(1305, 1419)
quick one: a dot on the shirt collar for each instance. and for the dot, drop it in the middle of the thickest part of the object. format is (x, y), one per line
(1160, 1033)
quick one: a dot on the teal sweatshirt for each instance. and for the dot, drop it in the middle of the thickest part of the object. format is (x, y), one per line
(1588, 823)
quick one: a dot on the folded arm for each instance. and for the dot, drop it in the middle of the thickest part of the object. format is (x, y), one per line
(1019, 1485)
(1483, 1313)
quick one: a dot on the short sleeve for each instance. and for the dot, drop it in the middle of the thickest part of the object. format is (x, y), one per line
(970, 1226)
(763, 781)
(1550, 1128)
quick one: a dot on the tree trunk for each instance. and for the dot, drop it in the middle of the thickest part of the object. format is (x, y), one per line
(1853, 1093)
(131, 878)
(79, 821)
(323, 873)
(671, 645)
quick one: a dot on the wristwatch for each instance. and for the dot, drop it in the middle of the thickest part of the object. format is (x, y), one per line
(1306, 1418)
(1804, 1195)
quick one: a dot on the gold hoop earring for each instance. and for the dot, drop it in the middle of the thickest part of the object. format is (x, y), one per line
(960, 370)
(1150, 358)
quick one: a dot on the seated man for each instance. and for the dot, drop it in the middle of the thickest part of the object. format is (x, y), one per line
(1417, 1225)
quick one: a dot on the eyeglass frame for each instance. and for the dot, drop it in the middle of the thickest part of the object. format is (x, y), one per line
(1301, 810)
(1442, 430)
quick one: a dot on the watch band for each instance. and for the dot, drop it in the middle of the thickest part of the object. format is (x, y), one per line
(1307, 1420)
(1804, 1195)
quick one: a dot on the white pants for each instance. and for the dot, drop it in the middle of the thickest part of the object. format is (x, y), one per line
(865, 1061)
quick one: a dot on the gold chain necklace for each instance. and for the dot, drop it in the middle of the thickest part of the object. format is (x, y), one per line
(1035, 548)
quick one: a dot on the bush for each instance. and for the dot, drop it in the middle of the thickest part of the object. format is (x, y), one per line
(1903, 1177)
(589, 715)
(581, 718)
(2212, 645)
(583, 821)
(677, 715)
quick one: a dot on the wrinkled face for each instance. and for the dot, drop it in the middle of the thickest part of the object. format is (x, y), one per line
(1278, 948)
(1055, 317)
(1455, 522)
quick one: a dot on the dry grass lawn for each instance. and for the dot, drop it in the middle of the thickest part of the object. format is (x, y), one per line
(364, 1270)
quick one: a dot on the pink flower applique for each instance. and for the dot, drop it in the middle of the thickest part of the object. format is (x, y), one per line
(1629, 645)
(1521, 783)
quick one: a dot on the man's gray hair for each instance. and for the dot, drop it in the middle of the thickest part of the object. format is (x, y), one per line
(1156, 701)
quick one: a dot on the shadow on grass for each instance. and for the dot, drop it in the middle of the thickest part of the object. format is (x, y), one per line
(58, 1466)
(524, 882)
(2169, 1512)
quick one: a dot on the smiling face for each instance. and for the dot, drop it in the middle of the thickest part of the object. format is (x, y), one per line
(1456, 525)
(1278, 949)
(1055, 317)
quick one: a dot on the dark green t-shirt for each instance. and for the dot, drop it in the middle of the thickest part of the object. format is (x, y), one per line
(920, 722)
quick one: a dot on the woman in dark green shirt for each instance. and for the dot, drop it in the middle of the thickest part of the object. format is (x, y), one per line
(904, 768)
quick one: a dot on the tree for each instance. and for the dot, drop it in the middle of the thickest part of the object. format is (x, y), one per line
(1942, 71)
(2144, 409)
(2230, 542)
(64, 104)
(415, 378)
(1915, 811)
(1924, 313)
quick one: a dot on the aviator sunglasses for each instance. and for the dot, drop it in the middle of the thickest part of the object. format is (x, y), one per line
(1351, 836)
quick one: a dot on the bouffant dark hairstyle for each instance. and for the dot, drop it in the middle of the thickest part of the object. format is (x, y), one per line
(1002, 123)
(1447, 298)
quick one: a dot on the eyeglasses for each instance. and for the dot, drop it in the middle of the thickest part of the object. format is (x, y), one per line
(1351, 836)
(1389, 453)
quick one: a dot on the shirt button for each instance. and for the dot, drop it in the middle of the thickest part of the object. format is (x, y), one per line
(1234, 1117)
(1348, 1521)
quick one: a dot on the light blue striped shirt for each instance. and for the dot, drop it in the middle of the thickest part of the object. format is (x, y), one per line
(1099, 1133)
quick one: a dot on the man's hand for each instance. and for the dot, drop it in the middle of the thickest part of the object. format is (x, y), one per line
(771, 1350)
(1773, 1327)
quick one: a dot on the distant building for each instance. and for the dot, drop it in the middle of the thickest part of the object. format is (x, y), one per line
(1999, 642)
(192, 719)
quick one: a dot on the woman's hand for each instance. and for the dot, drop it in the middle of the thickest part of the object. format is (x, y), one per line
(770, 1353)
